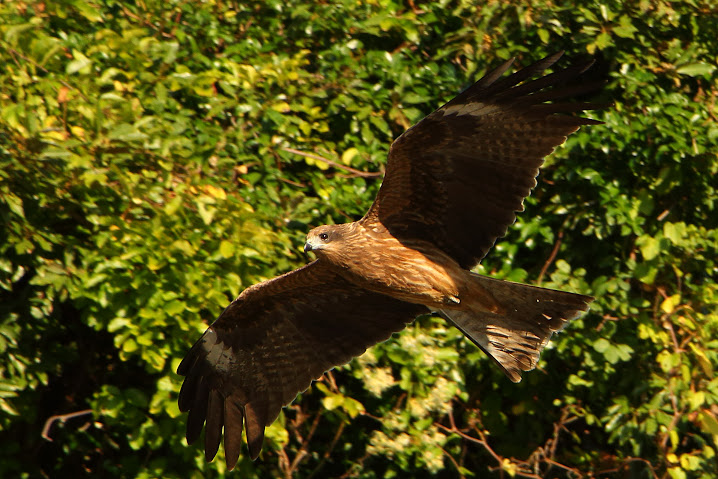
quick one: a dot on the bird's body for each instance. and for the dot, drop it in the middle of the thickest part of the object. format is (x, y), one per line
(452, 186)
(373, 259)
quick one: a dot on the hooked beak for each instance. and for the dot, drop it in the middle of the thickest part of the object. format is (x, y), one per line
(307, 247)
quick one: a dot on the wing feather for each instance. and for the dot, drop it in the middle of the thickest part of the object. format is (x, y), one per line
(268, 346)
(458, 177)
(233, 415)
(215, 419)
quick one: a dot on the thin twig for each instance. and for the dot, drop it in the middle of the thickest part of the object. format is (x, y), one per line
(364, 174)
(359, 464)
(303, 450)
(523, 468)
(61, 417)
(550, 461)
(293, 183)
(646, 462)
(327, 454)
(453, 461)
(551, 257)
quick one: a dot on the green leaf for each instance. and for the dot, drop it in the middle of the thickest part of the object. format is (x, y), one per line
(14, 203)
(543, 35)
(650, 247)
(708, 422)
(333, 401)
(87, 10)
(226, 248)
(353, 407)
(696, 69)
(129, 345)
(625, 28)
(80, 63)
(175, 307)
(602, 345)
(126, 132)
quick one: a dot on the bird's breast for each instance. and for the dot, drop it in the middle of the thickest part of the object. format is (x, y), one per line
(415, 273)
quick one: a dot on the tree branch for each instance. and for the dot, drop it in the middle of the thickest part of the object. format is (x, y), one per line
(364, 174)
(61, 417)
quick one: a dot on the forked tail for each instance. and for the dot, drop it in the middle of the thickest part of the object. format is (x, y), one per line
(515, 337)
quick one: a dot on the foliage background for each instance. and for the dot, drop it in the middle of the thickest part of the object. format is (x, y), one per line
(146, 178)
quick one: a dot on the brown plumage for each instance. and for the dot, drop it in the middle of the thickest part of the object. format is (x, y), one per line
(452, 186)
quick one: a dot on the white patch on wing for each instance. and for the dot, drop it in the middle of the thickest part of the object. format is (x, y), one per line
(215, 352)
(218, 355)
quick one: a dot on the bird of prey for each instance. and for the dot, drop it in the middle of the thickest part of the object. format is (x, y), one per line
(452, 186)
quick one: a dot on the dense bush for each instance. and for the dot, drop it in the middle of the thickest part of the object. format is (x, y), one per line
(157, 157)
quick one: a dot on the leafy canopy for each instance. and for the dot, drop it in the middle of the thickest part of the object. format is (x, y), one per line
(148, 174)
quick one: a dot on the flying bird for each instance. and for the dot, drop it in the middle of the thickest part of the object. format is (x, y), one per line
(452, 186)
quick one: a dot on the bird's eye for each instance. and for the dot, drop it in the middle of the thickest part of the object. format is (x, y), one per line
(323, 236)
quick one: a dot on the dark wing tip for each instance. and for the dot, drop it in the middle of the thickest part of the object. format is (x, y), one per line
(255, 415)
(526, 73)
(197, 412)
(185, 366)
(496, 73)
(234, 424)
(518, 89)
(215, 422)
(588, 299)
(207, 406)
(187, 393)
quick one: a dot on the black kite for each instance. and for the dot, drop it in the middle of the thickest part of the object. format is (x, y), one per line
(452, 186)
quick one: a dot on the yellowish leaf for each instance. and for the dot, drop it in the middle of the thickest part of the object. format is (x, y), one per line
(670, 303)
(349, 155)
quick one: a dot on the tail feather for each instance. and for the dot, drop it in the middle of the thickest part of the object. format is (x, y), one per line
(515, 336)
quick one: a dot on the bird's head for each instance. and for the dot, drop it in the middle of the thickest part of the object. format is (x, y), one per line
(320, 239)
(330, 240)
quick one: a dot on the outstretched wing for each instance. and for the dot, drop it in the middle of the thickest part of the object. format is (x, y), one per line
(268, 346)
(458, 176)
